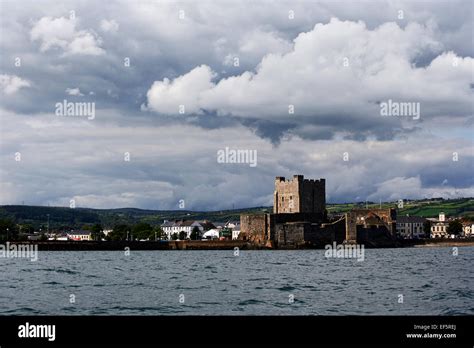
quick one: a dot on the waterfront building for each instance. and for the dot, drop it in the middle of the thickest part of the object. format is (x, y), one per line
(468, 229)
(236, 231)
(410, 227)
(439, 228)
(79, 235)
(187, 226)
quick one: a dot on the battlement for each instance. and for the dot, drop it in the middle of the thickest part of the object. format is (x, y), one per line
(298, 178)
(299, 195)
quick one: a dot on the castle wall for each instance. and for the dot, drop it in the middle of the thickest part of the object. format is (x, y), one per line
(291, 234)
(358, 230)
(257, 228)
(371, 236)
(323, 234)
(351, 229)
(253, 227)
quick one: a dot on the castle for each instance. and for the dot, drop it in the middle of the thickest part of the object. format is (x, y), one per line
(300, 219)
(299, 195)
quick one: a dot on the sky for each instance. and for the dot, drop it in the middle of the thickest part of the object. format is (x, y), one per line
(170, 85)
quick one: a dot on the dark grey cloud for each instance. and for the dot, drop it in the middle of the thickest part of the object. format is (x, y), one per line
(173, 156)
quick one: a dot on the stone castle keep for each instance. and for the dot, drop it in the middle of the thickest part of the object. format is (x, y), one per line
(300, 219)
(299, 195)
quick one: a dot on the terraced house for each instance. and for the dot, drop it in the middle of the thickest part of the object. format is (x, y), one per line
(410, 227)
(186, 226)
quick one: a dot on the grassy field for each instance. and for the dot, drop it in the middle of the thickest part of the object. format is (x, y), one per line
(462, 207)
(61, 217)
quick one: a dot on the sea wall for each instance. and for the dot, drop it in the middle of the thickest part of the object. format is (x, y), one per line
(135, 245)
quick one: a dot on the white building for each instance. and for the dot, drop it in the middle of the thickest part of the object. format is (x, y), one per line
(439, 228)
(186, 226)
(79, 235)
(167, 227)
(410, 227)
(235, 227)
(59, 237)
(468, 230)
(211, 234)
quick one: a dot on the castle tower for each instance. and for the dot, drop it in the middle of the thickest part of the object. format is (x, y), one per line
(299, 195)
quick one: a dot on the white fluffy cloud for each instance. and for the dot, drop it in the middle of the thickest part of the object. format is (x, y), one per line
(166, 96)
(74, 91)
(252, 47)
(334, 65)
(110, 26)
(61, 32)
(260, 43)
(10, 84)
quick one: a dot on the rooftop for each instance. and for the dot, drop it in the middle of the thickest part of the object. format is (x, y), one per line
(410, 219)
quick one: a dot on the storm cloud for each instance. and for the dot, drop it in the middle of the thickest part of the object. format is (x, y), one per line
(175, 82)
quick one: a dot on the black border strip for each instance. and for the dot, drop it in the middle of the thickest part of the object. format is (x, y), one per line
(241, 330)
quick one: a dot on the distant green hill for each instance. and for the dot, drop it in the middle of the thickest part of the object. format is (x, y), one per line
(462, 207)
(60, 217)
(67, 218)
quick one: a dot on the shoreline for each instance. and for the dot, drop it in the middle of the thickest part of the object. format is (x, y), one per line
(444, 244)
(216, 245)
(438, 243)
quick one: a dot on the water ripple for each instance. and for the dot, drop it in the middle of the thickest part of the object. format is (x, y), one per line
(256, 283)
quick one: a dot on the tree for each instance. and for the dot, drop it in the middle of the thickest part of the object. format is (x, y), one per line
(143, 230)
(119, 232)
(159, 233)
(96, 232)
(182, 235)
(174, 236)
(26, 228)
(427, 228)
(196, 233)
(454, 227)
(8, 229)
